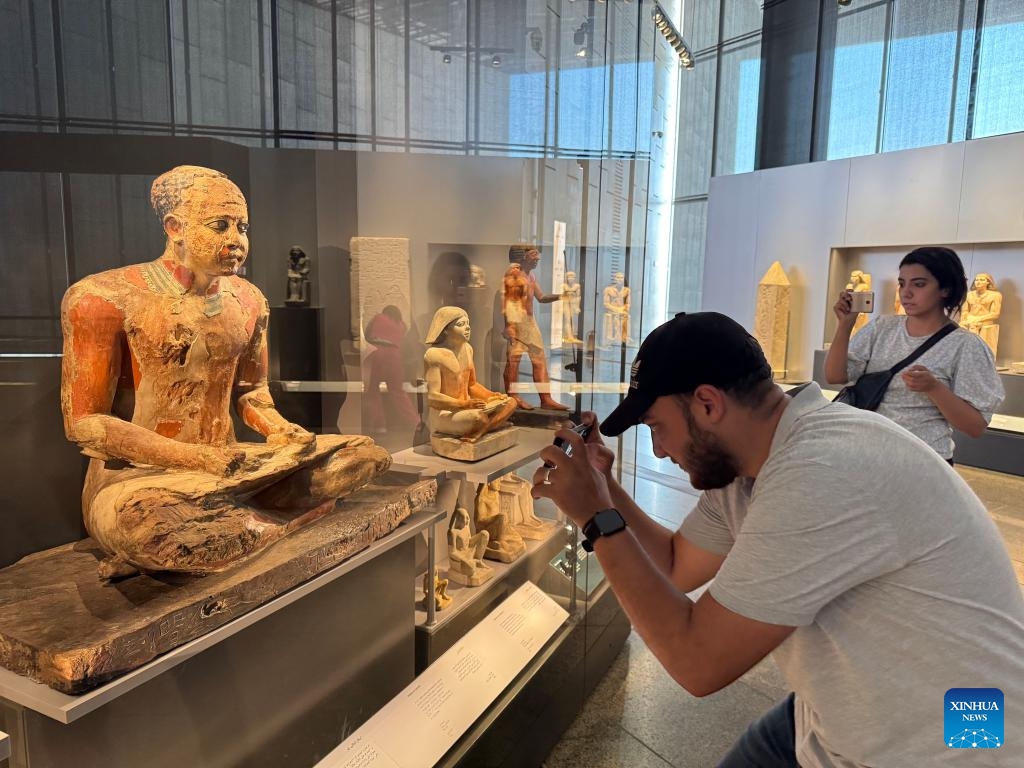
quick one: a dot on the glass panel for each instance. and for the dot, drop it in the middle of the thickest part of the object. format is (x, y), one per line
(856, 79)
(741, 17)
(999, 102)
(142, 80)
(224, 64)
(696, 126)
(964, 68)
(686, 278)
(700, 24)
(736, 131)
(919, 78)
(305, 68)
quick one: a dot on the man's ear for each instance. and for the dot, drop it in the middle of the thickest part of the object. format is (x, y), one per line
(710, 402)
(174, 228)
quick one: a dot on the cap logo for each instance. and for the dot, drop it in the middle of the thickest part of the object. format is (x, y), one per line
(634, 372)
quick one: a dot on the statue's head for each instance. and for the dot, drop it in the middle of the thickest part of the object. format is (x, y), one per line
(570, 277)
(525, 255)
(205, 218)
(296, 253)
(449, 323)
(983, 282)
(619, 278)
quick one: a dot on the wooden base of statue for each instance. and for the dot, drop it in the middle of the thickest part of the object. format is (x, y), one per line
(62, 626)
(488, 445)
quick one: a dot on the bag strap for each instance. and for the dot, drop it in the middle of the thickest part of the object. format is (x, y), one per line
(930, 342)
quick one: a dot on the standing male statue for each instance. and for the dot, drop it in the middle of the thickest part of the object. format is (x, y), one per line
(154, 355)
(519, 290)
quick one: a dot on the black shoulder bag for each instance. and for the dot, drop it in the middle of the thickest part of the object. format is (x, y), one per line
(867, 392)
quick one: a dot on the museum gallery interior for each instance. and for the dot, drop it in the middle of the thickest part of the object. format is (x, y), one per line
(296, 291)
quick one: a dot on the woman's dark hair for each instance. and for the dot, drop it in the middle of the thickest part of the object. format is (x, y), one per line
(947, 269)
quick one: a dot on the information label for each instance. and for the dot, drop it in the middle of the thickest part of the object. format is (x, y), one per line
(418, 726)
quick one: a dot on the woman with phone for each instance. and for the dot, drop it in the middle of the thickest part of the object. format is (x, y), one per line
(954, 385)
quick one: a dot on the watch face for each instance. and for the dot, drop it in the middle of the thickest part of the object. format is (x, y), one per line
(609, 521)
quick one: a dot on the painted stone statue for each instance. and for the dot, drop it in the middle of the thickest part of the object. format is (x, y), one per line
(616, 311)
(981, 310)
(519, 289)
(154, 356)
(460, 407)
(571, 291)
(298, 278)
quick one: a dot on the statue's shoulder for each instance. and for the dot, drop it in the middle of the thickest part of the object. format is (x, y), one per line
(248, 294)
(443, 357)
(104, 292)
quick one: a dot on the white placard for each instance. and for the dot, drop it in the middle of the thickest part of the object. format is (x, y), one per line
(420, 724)
(5, 746)
(557, 280)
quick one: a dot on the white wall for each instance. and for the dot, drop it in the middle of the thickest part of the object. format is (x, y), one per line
(968, 195)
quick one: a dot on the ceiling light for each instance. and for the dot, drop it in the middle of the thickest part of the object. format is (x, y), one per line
(672, 36)
(582, 52)
(496, 61)
(446, 59)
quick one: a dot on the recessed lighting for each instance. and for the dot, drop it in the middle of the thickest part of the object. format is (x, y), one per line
(496, 61)
(581, 53)
(446, 59)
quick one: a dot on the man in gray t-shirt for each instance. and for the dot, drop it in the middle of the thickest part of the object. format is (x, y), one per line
(836, 541)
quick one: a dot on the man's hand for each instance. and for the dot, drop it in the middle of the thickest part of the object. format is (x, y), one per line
(919, 379)
(601, 457)
(574, 483)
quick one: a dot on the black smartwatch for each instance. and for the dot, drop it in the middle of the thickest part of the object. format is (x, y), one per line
(607, 522)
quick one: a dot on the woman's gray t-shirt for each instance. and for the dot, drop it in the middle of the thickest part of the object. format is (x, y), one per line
(961, 361)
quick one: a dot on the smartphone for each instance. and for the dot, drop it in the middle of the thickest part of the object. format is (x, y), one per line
(863, 301)
(580, 429)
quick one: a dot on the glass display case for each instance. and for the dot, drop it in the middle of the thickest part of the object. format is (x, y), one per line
(354, 253)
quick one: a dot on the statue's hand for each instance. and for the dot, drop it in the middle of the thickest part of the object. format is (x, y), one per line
(291, 434)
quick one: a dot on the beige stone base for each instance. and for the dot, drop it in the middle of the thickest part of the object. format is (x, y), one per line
(488, 445)
(535, 532)
(508, 553)
(479, 576)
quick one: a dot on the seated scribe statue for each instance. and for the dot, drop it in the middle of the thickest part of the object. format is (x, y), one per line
(459, 405)
(466, 551)
(154, 355)
(504, 543)
(981, 310)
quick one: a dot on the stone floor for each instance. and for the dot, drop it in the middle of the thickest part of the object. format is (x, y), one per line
(639, 717)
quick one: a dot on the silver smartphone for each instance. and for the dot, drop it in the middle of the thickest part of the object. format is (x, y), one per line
(862, 301)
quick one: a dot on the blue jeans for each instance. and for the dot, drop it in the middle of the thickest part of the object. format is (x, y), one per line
(768, 742)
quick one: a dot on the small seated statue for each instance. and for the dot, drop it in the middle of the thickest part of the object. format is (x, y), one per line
(616, 311)
(439, 592)
(461, 409)
(981, 310)
(154, 355)
(504, 542)
(466, 551)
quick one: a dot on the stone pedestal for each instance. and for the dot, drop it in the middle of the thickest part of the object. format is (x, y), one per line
(488, 445)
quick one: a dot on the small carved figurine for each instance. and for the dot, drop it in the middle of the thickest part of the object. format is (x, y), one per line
(298, 278)
(504, 543)
(466, 552)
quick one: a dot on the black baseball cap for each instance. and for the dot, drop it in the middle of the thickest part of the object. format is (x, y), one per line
(678, 356)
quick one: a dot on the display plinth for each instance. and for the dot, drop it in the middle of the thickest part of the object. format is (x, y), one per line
(462, 450)
(423, 460)
(62, 626)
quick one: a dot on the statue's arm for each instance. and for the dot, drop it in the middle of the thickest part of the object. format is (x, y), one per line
(93, 336)
(435, 397)
(543, 298)
(993, 310)
(253, 401)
